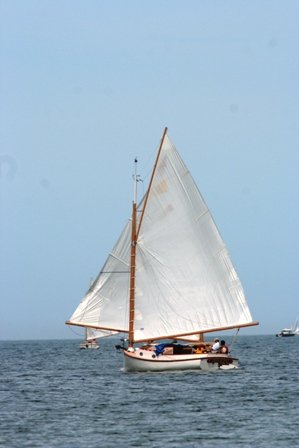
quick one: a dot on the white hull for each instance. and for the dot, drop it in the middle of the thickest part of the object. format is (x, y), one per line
(147, 361)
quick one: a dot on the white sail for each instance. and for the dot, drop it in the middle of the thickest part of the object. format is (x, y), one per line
(185, 281)
(295, 327)
(92, 334)
(106, 303)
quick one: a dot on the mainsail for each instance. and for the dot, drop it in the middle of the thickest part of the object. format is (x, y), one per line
(185, 282)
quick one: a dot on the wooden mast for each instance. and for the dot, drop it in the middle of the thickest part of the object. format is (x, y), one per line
(134, 237)
(132, 277)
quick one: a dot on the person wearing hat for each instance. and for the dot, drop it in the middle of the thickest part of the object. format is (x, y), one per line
(216, 345)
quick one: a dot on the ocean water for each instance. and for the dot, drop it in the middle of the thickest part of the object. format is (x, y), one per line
(54, 395)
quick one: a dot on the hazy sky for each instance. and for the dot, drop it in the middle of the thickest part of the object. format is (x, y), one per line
(88, 85)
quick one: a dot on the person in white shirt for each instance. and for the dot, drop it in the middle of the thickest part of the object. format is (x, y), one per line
(216, 345)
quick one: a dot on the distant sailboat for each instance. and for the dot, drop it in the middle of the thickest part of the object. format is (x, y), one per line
(288, 332)
(92, 336)
(169, 276)
(90, 340)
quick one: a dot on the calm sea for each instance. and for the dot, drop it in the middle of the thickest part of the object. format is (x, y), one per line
(54, 395)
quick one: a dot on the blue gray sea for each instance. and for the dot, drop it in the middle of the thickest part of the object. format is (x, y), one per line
(54, 395)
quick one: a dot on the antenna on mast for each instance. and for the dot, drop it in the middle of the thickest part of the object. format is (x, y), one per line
(136, 179)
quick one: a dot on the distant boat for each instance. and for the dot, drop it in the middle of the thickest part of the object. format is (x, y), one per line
(289, 332)
(91, 338)
(169, 276)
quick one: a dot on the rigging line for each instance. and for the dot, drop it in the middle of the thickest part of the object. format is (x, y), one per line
(234, 338)
(72, 329)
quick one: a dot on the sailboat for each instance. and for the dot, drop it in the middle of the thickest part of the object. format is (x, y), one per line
(168, 278)
(90, 341)
(288, 332)
(92, 336)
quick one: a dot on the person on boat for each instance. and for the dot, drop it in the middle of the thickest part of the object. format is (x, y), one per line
(216, 345)
(223, 348)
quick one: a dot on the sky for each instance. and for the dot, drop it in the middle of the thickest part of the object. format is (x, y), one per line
(85, 86)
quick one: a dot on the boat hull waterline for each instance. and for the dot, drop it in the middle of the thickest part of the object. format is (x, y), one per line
(89, 346)
(286, 334)
(148, 361)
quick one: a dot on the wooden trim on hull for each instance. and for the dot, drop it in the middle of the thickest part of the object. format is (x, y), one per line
(182, 358)
(169, 361)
